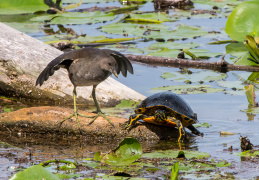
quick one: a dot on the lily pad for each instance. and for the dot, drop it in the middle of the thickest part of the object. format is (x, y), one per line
(149, 17)
(154, 31)
(202, 125)
(22, 7)
(200, 53)
(172, 45)
(189, 89)
(25, 27)
(254, 110)
(243, 21)
(236, 49)
(174, 154)
(76, 17)
(126, 153)
(249, 153)
(34, 172)
(198, 76)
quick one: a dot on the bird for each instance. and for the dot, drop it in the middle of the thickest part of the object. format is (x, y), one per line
(87, 67)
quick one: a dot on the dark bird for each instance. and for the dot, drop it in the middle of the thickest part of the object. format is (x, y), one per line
(88, 67)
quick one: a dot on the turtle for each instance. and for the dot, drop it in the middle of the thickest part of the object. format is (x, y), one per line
(166, 109)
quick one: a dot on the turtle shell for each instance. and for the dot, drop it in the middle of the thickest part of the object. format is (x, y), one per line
(173, 104)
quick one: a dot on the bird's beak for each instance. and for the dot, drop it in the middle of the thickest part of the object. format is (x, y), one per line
(115, 74)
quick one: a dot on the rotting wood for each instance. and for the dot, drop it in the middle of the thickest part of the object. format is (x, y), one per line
(221, 65)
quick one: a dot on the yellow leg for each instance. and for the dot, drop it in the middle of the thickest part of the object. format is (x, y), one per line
(75, 113)
(132, 121)
(99, 112)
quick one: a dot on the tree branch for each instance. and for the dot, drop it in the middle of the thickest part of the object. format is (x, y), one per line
(221, 66)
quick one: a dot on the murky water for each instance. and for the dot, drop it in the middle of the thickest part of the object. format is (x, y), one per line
(220, 110)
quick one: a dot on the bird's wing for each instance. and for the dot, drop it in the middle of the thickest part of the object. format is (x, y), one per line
(123, 64)
(63, 60)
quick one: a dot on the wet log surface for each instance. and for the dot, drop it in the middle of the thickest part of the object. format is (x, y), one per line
(44, 121)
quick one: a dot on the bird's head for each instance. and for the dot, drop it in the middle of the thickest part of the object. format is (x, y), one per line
(109, 65)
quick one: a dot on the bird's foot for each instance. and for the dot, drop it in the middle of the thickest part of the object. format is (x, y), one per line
(76, 114)
(103, 115)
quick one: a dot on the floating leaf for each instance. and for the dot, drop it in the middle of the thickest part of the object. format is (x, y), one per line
(189, 89)
(172, 45)
(200, 53)
(223, 164)
(72, 6)
(243, 21)
(225, 133)
(202, 125)
(154, 31)
(149, 17)
(22, 7)
(249, 153)
(76, 17)
(236, 49)
(126, 153)
(174, 154)
(34, 172)
(205, 76)
(25, 27)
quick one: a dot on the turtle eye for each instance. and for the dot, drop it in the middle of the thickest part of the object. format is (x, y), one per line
(138, 111)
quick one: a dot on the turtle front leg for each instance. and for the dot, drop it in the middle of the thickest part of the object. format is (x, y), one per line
(132, 121)
(182, 133)
(194, 130)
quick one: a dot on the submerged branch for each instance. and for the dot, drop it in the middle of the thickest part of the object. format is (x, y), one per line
(221, 66)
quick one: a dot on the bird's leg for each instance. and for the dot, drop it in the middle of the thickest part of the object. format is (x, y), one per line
(75, 113)
(99, 112)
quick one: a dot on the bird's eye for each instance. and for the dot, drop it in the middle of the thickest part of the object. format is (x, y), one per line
(109, 64)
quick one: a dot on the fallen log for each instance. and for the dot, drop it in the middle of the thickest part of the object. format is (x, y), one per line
(22, 58)
(44, 121)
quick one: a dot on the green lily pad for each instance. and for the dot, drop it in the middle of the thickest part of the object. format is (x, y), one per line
(254, 110)
(172, 45)
(34, 172)
(157, 31)
(236, 49)
(244, 60)
(135, 29)
(68, 176)
(149, 17)
(249, 153)
(200, 53)
(202, 125)
(237, 85)
(126, 153)
(188, 89)
(22, 7)
(243, 21)
(25, 27)
(223, 164)
(198, 76)
(174, 154)
(76, 17)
